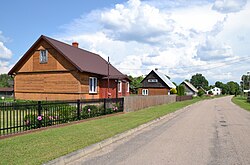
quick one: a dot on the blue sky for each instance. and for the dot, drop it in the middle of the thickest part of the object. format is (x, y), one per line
(179, 37)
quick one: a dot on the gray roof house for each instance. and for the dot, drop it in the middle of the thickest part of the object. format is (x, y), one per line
(189, 88)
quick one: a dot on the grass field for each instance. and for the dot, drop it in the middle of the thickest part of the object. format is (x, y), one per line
(40, 147)
(242, 102)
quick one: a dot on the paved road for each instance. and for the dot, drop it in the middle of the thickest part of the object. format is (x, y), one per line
(213, 132)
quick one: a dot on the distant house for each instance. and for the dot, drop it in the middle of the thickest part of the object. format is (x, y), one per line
(6, 92)
(156, 83)
(215, 91)
(246, 90)
(189, 88)
(202, 89)
(53, 70)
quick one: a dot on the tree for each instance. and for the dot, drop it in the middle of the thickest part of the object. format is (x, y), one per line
(245, 82)
(199, 80)
(224, 89)
(219, 84)
(180, 90)
(5, 80)
(233, 88)
(135, 83)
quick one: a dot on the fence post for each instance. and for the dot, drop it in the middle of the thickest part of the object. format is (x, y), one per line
(248, 96)
(39, 114)
(78, 109)
(122, 103)
(104, 104)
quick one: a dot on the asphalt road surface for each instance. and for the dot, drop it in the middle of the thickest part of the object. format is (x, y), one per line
(213, 132)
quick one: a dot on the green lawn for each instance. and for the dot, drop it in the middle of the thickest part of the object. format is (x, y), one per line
(40, 147)
(242, 102)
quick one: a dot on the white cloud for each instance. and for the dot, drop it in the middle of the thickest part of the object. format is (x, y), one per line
(136, 21)
(5, 67)
(212, 49)
(5, 55)
(229, 6)
(180, 38)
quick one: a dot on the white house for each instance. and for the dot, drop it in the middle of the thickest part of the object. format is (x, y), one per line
(216, 91)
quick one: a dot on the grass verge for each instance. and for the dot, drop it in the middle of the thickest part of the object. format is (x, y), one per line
(40, 147)
(241, 102)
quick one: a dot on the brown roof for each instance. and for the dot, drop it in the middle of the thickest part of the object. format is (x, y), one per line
(83, 60)
(6, 89)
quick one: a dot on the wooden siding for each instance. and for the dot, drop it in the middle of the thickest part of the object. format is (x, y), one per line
(54, 86)
(56, 62)
(155, 91)
(135, 103)
(46, 82)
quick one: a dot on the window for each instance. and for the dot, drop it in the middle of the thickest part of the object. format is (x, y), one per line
(43, 56)
(92, 85)
(119, 86)
(152, 80)
(144, 92)
(127, 86)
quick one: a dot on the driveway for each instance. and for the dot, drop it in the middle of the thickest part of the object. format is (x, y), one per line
(209, 132)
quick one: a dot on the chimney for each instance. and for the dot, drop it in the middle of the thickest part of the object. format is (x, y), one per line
(156, 69)
(75, 44)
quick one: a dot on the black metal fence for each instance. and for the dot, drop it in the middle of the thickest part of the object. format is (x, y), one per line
(19, 117)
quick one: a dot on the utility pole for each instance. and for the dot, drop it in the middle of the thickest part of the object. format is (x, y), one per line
(108, 77)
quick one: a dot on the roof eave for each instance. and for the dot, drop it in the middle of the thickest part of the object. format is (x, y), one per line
(12, 71)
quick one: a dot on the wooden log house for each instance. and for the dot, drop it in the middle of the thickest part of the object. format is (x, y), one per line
(156, 83)
(53, 70)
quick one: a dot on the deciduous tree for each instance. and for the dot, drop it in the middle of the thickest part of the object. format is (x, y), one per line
(199, 80)
(5, 80)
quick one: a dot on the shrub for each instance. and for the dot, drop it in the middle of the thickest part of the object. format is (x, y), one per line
(200, 92)
(90, 111)
(173, 91)
(31, 121)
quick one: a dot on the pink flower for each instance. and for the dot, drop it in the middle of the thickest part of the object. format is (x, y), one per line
(89, 110)
(39, 118)
(27, 122)
(50, 117)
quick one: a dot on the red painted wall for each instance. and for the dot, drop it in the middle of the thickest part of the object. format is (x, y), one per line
(113, 89)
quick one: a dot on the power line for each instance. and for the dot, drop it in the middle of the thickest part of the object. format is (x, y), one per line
(226, 62)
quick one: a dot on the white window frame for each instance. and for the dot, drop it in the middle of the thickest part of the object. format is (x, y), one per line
(144, 92)
(43, 56)
(153, 80)
(92, 85)
(127, 86)
(119, 85)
